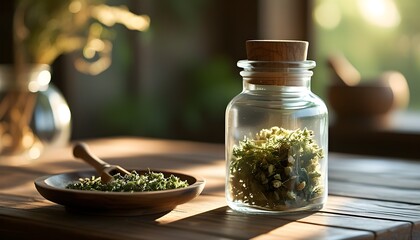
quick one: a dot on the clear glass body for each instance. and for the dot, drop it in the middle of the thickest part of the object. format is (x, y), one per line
(34, 113)
(276, 140)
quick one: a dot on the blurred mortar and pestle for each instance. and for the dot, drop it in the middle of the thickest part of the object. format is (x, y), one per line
(367, 103)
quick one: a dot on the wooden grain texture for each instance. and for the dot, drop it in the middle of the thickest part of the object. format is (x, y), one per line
(374, 209)
(375, 178)
(276, 50)
(381, 228)
(374, 192)
(193, 220)
(371, 198)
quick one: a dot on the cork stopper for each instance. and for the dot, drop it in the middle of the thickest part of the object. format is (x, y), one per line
(276, 50)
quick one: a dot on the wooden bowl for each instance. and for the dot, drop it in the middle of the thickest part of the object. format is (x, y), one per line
(53, 188)
(360, 101)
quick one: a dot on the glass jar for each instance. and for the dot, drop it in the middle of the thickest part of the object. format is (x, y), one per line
(276, 140)
(33, 113)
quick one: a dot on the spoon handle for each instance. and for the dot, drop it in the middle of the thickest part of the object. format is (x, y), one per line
(81, 150)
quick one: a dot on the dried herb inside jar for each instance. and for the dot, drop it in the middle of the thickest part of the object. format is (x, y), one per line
(279, 169)
(133, 182)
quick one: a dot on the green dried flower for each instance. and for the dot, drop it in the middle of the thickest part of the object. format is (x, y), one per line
(279, 169)
(133, 182)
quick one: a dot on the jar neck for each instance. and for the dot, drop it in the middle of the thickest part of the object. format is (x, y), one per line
(33, 78)
(285, 86)
(276, 76)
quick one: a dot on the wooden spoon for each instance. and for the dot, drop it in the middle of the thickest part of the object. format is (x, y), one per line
(105, 170)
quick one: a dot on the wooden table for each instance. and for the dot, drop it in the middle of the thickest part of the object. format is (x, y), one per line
(370, 198)
(398, 137)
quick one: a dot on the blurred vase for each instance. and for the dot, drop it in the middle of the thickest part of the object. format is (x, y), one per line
(33, 113)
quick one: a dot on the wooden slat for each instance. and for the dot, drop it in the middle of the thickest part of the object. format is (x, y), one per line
(377, 210)
(373, 192)
(232, 224)
(383, 229)
(314, 232)
(375, 178)
(401, 174)
(392, 180)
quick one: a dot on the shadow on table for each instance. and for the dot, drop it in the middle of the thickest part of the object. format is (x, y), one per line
(226, 223)
(217, 223)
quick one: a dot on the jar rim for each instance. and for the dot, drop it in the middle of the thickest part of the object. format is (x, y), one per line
(250, 64)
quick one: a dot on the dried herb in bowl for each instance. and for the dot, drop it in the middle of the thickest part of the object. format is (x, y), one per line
(278, 170)
(133, 182)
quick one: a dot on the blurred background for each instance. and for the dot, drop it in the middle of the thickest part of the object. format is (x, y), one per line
(175, 79)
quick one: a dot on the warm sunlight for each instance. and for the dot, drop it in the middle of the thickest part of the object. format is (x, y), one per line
(41, 82)
(111, 15)
(381, 13)
(75, 6)
(327, 14)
